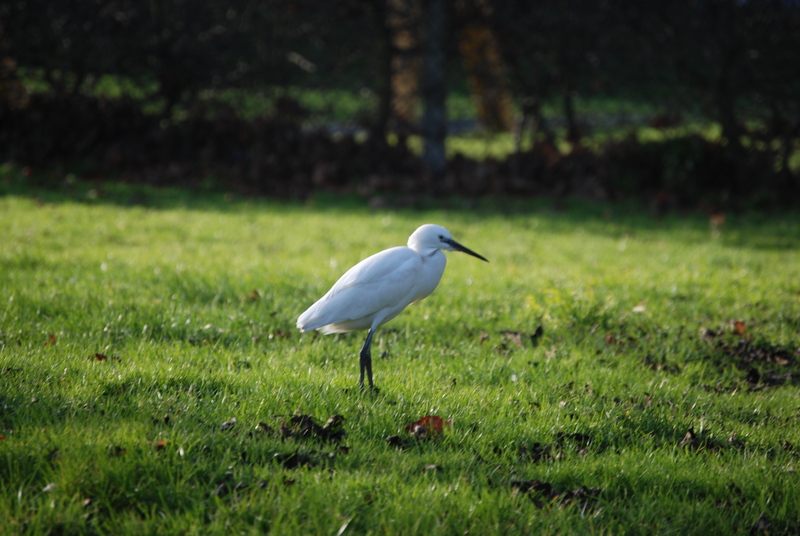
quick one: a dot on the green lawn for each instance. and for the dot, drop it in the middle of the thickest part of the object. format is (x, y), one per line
(638, 409)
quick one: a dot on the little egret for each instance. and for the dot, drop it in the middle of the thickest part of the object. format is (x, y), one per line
(378, 288)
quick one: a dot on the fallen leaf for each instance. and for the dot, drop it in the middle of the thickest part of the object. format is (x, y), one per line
(707, 333)
(501, 349)
(160, 444)
(302, 426)
(51, 339)
(514, 336)
(739, 327)
(428, 425)
(537, 334)
(758, 362)
(333, 421)
(103, 357)
(227, 425)
(285, 432)
(394, 441)
(418, 430)
(701, 441)
(753, 376)
(265, 428)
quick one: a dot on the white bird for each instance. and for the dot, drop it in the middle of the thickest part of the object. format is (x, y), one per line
(378, 288)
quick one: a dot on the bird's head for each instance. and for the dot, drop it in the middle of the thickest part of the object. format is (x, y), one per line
(429, 238)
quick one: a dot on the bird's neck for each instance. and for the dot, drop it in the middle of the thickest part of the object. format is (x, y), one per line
(432, 269)
(428, 253)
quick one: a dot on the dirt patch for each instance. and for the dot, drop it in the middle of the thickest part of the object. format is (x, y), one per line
(762, 364)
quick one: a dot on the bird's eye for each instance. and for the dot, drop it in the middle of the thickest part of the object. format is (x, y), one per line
(441, 237)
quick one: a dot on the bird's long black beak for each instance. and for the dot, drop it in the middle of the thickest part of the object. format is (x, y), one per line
(458, 247)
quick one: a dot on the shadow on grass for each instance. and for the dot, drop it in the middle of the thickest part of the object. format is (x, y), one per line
(621, 219)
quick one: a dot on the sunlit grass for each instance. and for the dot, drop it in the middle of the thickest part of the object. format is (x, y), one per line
(193, 301)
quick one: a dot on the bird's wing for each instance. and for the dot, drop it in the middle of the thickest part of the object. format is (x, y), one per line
(382, 268)
(381, 281)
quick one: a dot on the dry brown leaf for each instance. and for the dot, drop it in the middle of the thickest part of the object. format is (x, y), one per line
(428, 425)
(514, 336)
(254, 295)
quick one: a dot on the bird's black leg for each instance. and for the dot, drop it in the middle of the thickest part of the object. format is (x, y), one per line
(366, 360)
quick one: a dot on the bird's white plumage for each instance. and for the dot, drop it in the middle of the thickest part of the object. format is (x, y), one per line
(378, 288)
(375, 290)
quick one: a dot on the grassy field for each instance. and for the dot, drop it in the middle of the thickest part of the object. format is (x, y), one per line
(604, 373)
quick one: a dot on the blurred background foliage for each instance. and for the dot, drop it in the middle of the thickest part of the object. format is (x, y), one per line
(689, 102)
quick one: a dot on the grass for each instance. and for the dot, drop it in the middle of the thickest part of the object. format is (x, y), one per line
(193, 302)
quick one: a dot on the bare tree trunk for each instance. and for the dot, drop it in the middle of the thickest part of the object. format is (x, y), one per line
(486, 72)
(380, 125)
(726, 108)
(434, 119)
(403, 21)
(573, 131)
